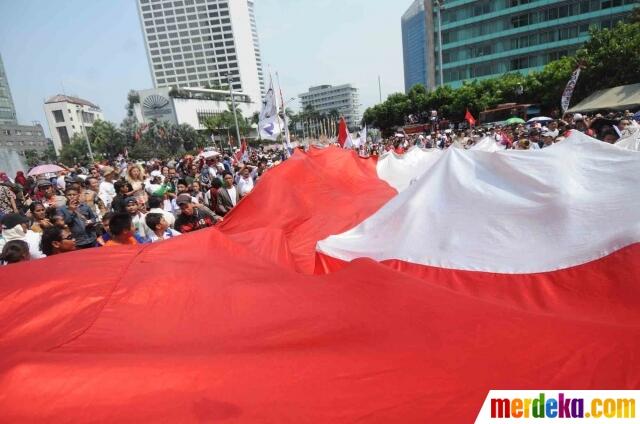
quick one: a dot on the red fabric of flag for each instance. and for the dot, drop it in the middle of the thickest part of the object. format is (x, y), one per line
(469, 118)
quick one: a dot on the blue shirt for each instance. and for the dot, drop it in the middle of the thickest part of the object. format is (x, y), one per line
(77, 223)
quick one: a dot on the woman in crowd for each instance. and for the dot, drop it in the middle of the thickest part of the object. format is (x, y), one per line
(39, 220)
(135, 177)
(15, 251)
(196, 192)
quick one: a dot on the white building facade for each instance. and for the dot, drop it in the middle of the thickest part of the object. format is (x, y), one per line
(185, 105)
(67, 116)
(343, 98)
(203, 43)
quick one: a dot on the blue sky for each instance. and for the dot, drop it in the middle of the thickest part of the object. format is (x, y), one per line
(94, 49)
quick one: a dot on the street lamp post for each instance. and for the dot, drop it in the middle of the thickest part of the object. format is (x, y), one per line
(233, 105)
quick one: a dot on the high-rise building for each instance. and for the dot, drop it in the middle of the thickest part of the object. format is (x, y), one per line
(7, 108)
(414, 45)
(201, 43)
(68, 116)
(342, 98)
(487, 38)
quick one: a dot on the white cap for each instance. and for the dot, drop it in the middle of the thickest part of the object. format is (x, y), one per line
(578, 117)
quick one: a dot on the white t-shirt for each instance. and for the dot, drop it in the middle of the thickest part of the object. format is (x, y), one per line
(168, 216)
(106, 193)
(232, 195)
(60, 182)
(170, 233)
(140, 225)
(245, 186)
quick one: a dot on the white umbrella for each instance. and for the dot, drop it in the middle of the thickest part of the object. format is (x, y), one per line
(209, 154)
(539, 119)
(45, 169)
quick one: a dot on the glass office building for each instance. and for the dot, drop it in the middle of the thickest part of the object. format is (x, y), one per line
(7, 108)
(414, 45)
(487, 38)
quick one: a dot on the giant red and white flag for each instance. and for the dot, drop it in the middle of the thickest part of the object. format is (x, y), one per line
(327, 295)
(344, 137)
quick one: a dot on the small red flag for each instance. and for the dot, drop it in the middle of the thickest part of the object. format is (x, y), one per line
(469, 118)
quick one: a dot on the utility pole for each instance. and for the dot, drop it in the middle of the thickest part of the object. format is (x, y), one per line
(380, 88)
(84, 131)
(233, 105)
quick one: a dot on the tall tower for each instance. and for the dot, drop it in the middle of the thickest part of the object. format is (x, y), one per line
(7, 108)
(195, 43)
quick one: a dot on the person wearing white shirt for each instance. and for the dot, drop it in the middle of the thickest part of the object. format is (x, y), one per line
(245, 182)
(155, 206)
(137, 217)
(61, 184)
(228, 196)
(106, 190)
(159, 228)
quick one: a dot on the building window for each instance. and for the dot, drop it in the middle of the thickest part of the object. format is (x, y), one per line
(58, 116)
(63, 134)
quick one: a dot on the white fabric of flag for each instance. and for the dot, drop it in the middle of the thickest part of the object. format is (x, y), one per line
(269, 123)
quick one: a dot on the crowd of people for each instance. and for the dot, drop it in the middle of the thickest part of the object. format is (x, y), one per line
(538, 134)
(124, 202)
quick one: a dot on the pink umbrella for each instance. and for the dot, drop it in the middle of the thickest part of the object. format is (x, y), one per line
(45, 169)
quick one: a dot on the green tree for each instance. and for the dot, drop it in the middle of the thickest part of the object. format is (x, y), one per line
(32, 157)
(132, 98)
(49, 155)
(106, 140)
(75, 152)
(611, 58)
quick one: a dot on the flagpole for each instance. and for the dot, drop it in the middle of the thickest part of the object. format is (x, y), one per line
(233, 105)
(287, 138)
(278, 114)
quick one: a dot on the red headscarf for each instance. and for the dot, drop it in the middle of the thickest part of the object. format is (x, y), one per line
(21, 179)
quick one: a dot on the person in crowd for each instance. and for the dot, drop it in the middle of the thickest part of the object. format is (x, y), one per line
(7, 201)
(60, 180)
(137, 217)
(104, 235)
(122, 188)
(155, 206)
(610, 137)
(90, 196)
(257, 172)
(159, 228)
(55, 217)
(228, 196)
(155, 184)
(106, 190)
(135, 177)
(94, 172)
(80, 219)
(121, 230)
(15, 226)
(14, 251)
(196, 192)
(191, 174)
(39, 219)
(48, 195)
(192, 216)
(211, 196)
(245, 182)
(23, 181)
(57, 240)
